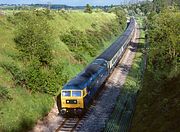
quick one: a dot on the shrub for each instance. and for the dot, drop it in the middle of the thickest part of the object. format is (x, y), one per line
(90, 41)
(77, 42)
(121, 16)
(44, 13)
(37, 78)
(4, 94)
(88, 9)
(164, 30)
(17, 74)
(41, 79)
(34, 37)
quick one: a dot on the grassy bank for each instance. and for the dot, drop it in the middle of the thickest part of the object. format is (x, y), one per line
(20, 108)
(120, 119)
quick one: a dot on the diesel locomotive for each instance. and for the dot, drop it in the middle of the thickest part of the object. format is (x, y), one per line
(78, 93)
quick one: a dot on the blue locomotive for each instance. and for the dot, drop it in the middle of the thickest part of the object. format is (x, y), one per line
(77, 94)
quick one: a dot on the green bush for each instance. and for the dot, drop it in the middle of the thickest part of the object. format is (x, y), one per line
(77, 42)
(90, 41)
(121, 16)
(45, 13)
(94, 38)
(4, 94)
(88, 9)
(35, 77)
(163, 34)
(34, 37)
(41, 79)
(17, 75)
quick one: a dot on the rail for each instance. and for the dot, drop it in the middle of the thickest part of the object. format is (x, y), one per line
(69, 125)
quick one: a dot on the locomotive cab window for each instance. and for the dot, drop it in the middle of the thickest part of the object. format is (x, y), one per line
(76, 93)
(66, 93)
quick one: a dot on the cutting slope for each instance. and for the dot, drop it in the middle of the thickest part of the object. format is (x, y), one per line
(19, 108)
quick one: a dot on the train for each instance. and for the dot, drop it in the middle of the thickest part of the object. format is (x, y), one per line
(77, 95)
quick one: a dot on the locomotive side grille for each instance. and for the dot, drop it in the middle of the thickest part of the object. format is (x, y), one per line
(71, 101)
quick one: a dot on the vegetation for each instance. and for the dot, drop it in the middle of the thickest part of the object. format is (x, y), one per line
(164, 30)
(34, 38)
(90, 41)
(120, 13)
(22, 109)
(41, 50)
(158, 102)
(88, 9)
(147, 7)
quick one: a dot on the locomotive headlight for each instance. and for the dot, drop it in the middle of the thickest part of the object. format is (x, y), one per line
(67, 101)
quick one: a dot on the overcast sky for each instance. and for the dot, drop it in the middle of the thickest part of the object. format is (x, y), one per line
(67, 2)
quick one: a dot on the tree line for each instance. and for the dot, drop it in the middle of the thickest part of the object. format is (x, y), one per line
(163, 30)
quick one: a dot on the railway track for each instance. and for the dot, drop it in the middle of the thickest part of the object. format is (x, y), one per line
(68, 125)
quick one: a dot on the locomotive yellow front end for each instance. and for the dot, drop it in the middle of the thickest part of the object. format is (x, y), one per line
(72, 101)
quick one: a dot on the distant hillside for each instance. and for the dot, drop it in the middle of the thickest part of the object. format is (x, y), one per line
(51, 6)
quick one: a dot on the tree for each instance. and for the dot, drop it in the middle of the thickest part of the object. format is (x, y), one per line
(88, 9)
(164, 38)
(34, 38)
(121, 15)
(146, 7)
(159, 5)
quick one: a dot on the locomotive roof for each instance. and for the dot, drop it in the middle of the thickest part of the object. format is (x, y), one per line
(81, 81)
(112, 50)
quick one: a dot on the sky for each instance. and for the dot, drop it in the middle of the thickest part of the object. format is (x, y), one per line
(67, 2)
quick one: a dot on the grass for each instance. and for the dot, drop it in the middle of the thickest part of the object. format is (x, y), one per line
(80, 20)
(22, 108)
(120, 119)
(77, 20)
